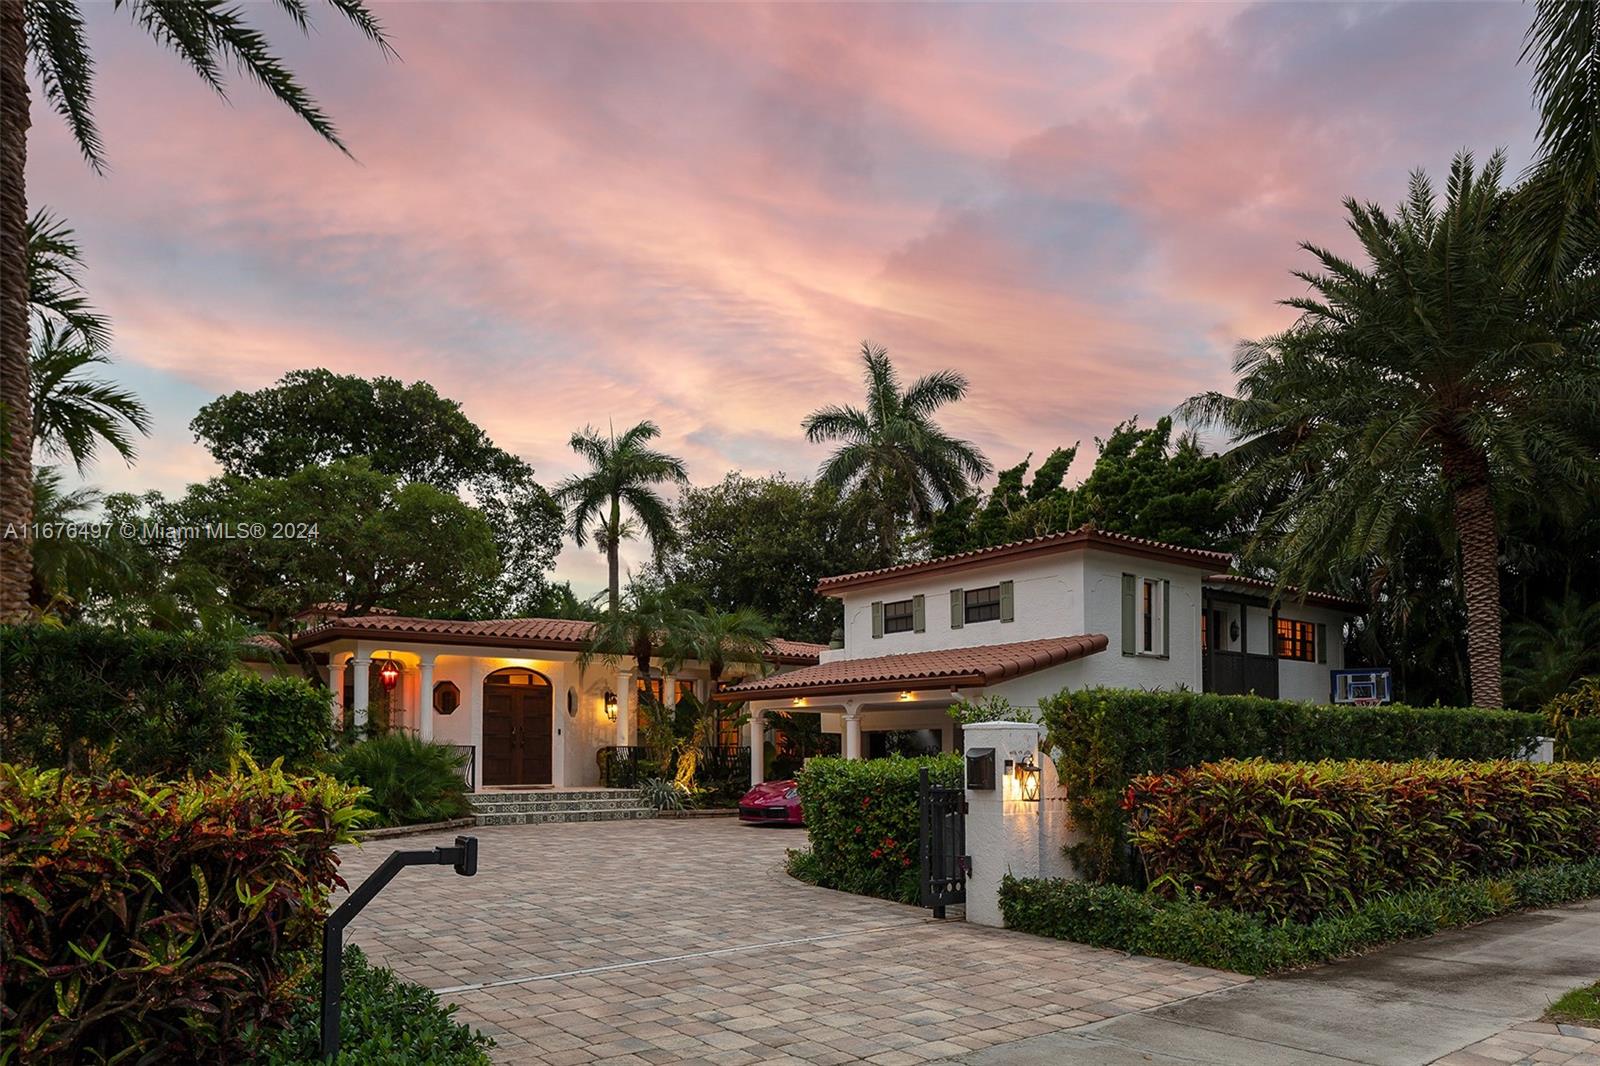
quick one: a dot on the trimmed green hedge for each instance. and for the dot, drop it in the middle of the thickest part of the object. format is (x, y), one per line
(284, 718)
(1297, 840)
(862, 819)
(1114, 916)
(1100, 739)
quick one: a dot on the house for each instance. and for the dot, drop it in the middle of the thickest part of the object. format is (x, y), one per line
(507, 691)
(1025, 620)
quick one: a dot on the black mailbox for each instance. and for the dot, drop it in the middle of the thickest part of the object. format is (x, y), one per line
(980, 769)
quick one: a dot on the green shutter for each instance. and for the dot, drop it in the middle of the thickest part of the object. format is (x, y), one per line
(919, 614)
(958, 608)
(1166, 619)
(1130, 613)
(877, 619)
(1008, 602)
(1322, 642)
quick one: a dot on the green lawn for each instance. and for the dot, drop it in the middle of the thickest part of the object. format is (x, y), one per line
(1581, 1005)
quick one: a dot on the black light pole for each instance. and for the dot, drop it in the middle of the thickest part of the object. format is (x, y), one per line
(464, 857)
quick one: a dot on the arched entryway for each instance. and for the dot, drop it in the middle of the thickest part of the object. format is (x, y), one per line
(517, 728)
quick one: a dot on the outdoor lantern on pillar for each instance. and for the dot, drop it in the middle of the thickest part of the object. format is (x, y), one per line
(611, 705)
(389, 674)
(1027, 774)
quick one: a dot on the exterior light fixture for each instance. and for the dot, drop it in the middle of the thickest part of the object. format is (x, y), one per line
(904, 696)
(389, 674)
(1027, 774)
(799, 701)
(611, 705)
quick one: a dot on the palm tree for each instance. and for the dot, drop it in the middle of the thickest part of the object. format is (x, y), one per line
(67, 570)
(622, 470)
(718, 639)
(209, 37)
(893, 451)
(1557, 217)
(1443, 378)
(72, 413)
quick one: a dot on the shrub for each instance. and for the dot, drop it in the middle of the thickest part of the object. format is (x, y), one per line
(663, 795)
(1297, 840)
(408, 781)
(990, 708)
(139, 701)
(284, 718)
(1101, 739)
(158, 922)
(861, 816)
(382, 1020)
(1574, 718)
(1188, 930)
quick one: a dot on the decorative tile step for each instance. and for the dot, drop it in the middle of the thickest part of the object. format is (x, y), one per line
(614, 814)
(528, 806)
(490, 798)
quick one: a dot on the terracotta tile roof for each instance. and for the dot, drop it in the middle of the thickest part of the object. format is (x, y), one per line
(1319, 599)
(983, 664)
(1075, 540)
(550, 634)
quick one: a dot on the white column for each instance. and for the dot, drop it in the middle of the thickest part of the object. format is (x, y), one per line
(1005, 833)
(852, 732)
(336, 684)
(669, 690)
(474, 702)
(758, 747)
(358, 697)
(425, 699)
(625, 695)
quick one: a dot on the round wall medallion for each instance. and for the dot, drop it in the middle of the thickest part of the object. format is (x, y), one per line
(446, 697)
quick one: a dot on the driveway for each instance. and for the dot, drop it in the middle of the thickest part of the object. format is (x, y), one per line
(682, 941)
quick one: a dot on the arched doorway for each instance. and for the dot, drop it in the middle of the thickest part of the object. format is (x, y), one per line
(517, 728)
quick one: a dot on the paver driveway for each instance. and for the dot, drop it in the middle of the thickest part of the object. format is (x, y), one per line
(684, 942)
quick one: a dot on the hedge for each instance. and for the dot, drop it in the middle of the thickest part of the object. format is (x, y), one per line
(1100, 739)
(382, 1020)
(159, 922)
(141, 701)
(1296, 840)
(862, 819)
(1187, 930)
(284, 718)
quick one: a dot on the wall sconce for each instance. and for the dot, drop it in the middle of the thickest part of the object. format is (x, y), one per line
(799, 701)
(1027, 774)
(905, 696)
(611, 705)
(389, 674)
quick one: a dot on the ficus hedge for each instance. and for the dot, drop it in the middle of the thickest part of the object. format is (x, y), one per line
(1188, 930)
(284, 718)
(1298, 840)
(862, 819)
(1100, 739)
(150, 921)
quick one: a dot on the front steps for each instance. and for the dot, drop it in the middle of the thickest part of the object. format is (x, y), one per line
(535, 807)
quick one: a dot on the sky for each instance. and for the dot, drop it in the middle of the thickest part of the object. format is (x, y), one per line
(566, 214)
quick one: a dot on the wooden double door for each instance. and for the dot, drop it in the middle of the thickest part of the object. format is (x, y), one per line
(518, 729)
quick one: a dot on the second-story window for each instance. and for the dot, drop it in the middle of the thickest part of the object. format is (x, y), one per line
(897, 616)
(983, 605)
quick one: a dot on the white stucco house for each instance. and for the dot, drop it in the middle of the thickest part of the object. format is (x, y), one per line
(1028, 619)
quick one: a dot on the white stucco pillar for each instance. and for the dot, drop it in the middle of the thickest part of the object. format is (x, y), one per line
(669, 691)
(358, 695)
(852, 732)
(336, 694)
(758, 747)
(625, 697)
(1006, 833)
(425, 699)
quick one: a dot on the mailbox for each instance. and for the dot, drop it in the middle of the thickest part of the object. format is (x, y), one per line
(980, 769)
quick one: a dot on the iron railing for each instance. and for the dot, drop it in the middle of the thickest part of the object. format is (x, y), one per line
(626, 766)
(469, 767)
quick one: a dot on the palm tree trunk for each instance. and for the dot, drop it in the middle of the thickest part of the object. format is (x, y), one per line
(16, 401)
(1474, 514)
(613, 549)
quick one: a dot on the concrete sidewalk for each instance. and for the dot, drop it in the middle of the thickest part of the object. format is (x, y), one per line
(1403, 1006)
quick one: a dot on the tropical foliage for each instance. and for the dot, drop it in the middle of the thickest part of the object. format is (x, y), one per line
(892, 451)
(160, 921)
(406, 781)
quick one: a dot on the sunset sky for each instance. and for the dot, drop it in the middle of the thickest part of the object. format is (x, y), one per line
(565, 214)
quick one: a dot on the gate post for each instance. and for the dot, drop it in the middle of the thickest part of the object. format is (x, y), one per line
(1006, 832)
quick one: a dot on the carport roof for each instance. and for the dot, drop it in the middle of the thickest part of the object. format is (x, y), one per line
(983, 664)
(547, 634)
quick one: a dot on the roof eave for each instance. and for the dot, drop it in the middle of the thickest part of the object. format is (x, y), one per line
(920, 684)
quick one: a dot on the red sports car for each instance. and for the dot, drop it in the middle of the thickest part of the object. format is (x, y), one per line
(772, 803)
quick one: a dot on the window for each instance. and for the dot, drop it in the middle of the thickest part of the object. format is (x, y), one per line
(1297, 640)
(898, 617)
(983, 605)
(1144, 616)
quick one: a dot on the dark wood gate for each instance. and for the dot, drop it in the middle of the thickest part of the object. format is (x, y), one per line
(942, 844)
(517, 730)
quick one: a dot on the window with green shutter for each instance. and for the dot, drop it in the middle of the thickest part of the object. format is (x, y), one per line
(958, 608)
(1130, 614)
(1008, 601)
(919, 614)
(877, 619)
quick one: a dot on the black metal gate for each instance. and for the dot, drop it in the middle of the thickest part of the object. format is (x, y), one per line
(942, 844)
